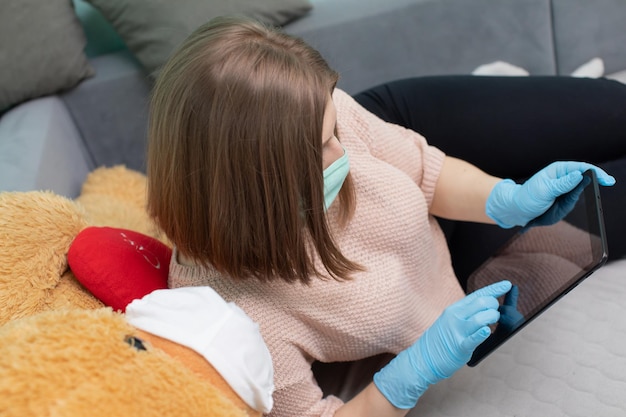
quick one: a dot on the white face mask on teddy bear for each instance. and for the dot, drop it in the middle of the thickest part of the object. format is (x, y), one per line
(230, 340)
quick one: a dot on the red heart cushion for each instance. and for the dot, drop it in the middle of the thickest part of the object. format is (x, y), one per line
(118, 265)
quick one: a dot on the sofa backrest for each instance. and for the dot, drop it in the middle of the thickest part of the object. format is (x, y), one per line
(386, 40)
(586, 29)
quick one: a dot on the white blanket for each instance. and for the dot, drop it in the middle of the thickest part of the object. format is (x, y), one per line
(570, 361)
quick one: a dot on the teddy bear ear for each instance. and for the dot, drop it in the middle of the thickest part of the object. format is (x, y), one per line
(117, 182)
(116, 197)
(36, 231)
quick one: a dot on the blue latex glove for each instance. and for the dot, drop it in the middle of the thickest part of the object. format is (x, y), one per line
(511, 204)
(443, 349)
(561, 207)
(510, 317)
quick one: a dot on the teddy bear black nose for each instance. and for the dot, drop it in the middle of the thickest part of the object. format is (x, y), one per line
(135, 342)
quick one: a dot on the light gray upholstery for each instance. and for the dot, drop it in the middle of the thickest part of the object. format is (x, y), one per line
(427, 37)
(368, 41)
(111, 111)
(586, 29)
(40, 149)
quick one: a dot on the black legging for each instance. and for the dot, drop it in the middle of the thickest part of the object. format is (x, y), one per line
(512, 127)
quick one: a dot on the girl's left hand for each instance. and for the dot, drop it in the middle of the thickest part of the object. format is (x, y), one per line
(510, 204)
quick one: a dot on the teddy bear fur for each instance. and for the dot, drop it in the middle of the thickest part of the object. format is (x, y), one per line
(79, 363)
(62, 352)
(38, 227)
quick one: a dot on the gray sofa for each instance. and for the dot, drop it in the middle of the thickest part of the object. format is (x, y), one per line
(571, 362)
(53, 142)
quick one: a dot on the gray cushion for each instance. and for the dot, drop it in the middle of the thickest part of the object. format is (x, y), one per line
(41, 49)
(586, 29)
(40, 149)
(111, 111)
(152, 29)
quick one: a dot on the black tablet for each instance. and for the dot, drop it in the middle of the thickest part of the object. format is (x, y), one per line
(544, 261)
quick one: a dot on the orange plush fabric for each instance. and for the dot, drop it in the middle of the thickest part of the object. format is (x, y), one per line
(36, 231)
(62, 353)
(78, 363)
(196, 363)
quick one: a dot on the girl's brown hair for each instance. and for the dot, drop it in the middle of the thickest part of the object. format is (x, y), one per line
(234, 162)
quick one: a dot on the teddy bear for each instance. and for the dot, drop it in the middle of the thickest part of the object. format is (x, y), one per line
(38, 227)
(88, 327)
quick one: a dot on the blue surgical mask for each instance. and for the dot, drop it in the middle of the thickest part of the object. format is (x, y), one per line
(334, 176)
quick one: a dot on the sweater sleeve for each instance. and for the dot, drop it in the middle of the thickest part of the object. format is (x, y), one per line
(297, 392)
(304, 399)
(400, 147)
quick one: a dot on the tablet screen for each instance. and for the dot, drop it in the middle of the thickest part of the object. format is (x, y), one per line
(544, 261)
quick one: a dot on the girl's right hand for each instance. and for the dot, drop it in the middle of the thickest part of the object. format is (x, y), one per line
(444, 348)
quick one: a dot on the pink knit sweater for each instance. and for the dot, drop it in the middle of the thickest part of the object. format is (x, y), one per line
(408, 282)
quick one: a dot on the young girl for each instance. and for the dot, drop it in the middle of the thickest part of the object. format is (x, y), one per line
(317, 217)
